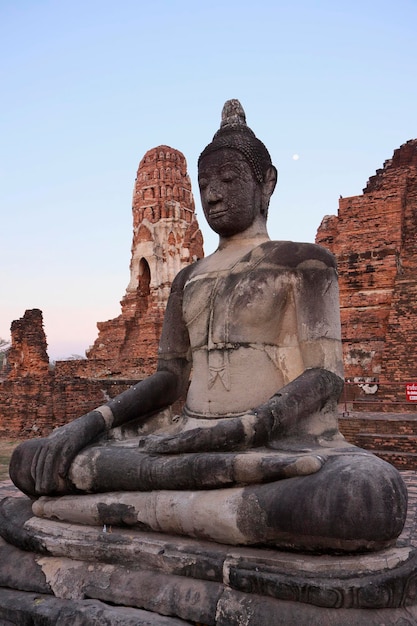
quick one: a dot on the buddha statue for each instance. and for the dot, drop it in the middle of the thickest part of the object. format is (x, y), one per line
(252, 338)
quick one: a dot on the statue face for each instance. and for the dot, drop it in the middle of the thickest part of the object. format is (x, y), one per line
(230, 194)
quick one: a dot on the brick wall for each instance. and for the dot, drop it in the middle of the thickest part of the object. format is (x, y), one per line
(34, 406)
(374, 239)
(390, 437)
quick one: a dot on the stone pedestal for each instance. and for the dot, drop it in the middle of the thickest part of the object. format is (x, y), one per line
(60, 573)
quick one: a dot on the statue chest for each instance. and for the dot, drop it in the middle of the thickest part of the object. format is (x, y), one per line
(231, 309)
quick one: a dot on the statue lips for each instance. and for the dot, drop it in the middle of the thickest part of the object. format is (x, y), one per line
(219, 212)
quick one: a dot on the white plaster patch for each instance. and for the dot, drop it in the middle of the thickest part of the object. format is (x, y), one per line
(107, 415)
(82, 468)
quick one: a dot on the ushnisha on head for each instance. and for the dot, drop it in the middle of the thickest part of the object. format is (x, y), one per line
(234, 134)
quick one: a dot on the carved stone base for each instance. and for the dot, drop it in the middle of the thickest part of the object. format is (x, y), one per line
(60, 573)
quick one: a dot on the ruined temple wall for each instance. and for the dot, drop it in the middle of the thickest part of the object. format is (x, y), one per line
(34, 406)
(366, 244)
(400, 350)
(25, 403)
(374, 239)
(391, 437)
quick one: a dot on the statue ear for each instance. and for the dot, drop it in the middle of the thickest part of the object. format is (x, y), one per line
(268, 187)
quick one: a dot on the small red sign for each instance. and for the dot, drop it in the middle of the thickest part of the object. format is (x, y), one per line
(411, 392)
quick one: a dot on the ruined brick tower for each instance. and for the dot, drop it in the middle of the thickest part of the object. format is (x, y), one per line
(166, 238)
(374, 238)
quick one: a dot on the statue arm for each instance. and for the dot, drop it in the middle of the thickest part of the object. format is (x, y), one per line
(171, 379)
(317, 389)
(318, 318)
(282, 415)
(41, 466)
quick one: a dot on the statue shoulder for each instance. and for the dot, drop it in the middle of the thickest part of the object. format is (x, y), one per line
(295, 255)
(182, 276)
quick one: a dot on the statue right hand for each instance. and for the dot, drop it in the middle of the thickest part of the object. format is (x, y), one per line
(225, 434)
(55, 453)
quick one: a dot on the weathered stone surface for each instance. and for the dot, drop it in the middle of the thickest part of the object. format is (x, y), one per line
(18, 608)
(237, 609)
(220, 585)
(374, 240)
(278, 513)
(29, 609)
(28, 576)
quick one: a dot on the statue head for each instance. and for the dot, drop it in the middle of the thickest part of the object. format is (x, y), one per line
(234, 134)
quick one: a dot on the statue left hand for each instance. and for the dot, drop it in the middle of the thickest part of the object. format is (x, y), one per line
(50, 464)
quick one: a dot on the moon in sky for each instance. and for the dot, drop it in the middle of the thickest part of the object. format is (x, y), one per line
(295, 157)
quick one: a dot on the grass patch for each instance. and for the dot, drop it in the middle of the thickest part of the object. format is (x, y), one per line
(6, 449)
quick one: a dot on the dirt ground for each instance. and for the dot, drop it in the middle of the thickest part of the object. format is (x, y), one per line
(6, 448)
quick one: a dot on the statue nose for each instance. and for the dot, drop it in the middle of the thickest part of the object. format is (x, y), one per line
(213, 193)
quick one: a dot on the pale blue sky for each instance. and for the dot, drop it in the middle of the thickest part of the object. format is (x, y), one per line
(87, 87)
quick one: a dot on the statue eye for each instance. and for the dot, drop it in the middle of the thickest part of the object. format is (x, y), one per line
(202, 183)
(228, 175)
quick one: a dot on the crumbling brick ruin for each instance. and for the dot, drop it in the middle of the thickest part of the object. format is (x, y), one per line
(374, 238)
(33, 398)
(27, 355)
(166, 237)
